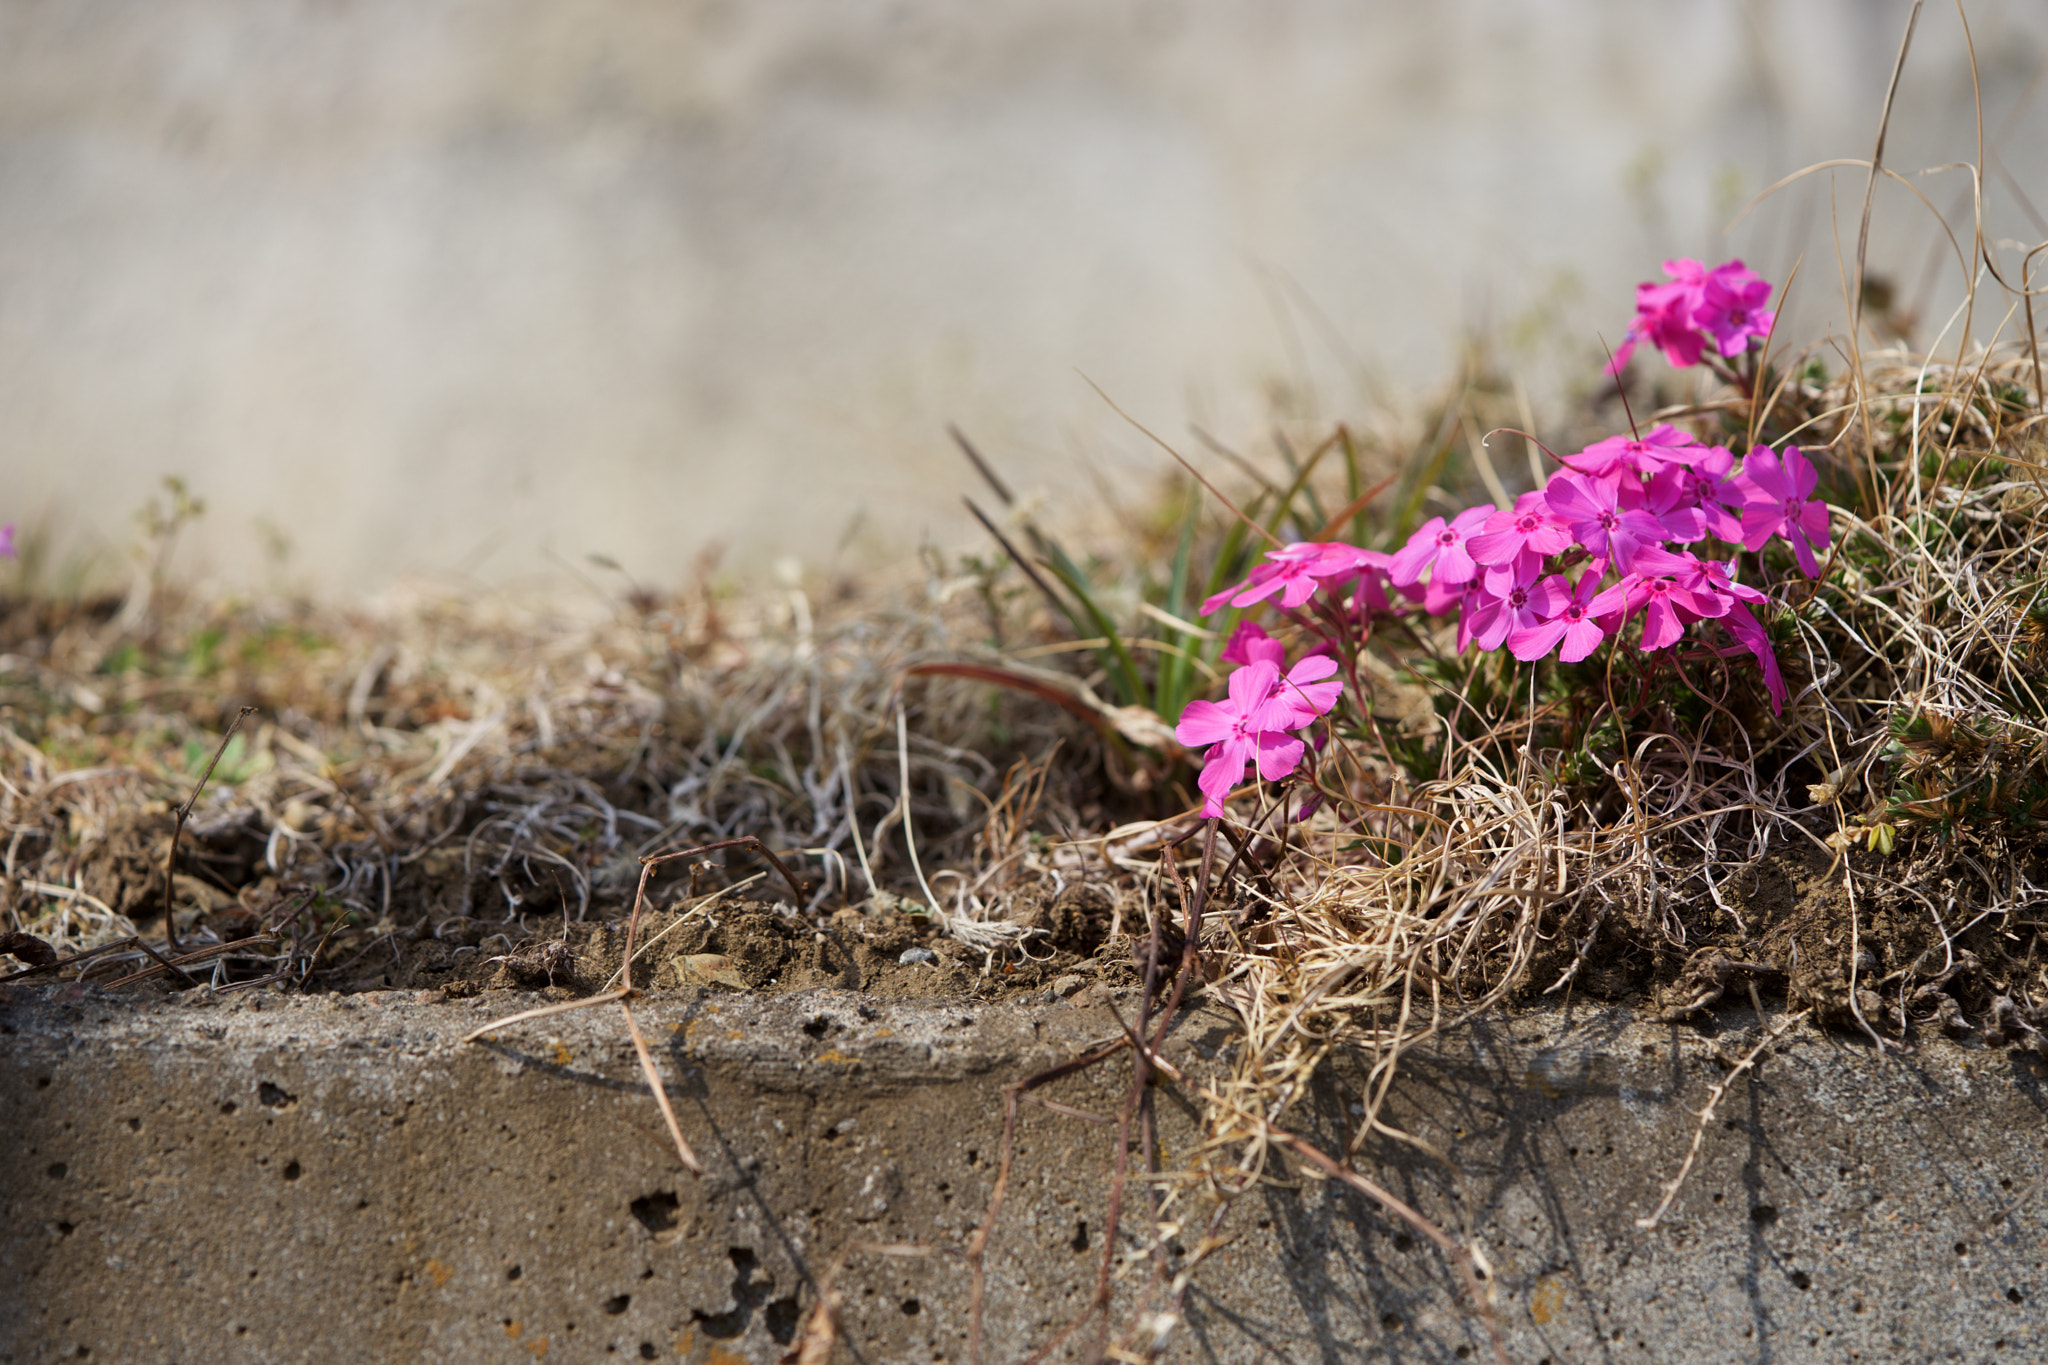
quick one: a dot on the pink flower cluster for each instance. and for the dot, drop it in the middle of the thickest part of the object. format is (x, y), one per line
(7, 541)
(1721, 310)
(1626, 529)
(1623, 531)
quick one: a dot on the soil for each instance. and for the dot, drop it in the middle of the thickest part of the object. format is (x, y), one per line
(1782, 931)
(755, 946)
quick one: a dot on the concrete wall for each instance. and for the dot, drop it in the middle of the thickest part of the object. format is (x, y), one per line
(429, 285)
(265, 1178)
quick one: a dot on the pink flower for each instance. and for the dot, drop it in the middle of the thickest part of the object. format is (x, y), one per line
(7, 541)
(1593, 509)
(1611, 457)
(1307, 692)
(1664, 316)
(1519, 540)
(1509, 604)
(1692, 499)
(1710, 581)
(1473, 602)
(1441, 599)
(1252, 724)
(1662, 601)
(1246, 727)
(1731, 307)
(1370, 599)
(1780, 492)
(1441, 548)
(1249, 644)
(1752, 636)
(1564, 609)
(1294, 571)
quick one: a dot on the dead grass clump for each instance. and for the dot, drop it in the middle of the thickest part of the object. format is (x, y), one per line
(459, 759)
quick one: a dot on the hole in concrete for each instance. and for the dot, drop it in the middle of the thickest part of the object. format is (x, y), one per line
(65, 1230)
(647, 1350)
(292, 1171)
(135, 1126)
(618, 1303)
(276, 1097)
(1080, 1239)
(2012, 1295)
(1962, 1248)
(1389, 1322)
(911, 1308)
(1463, 1353)
(42, 1082)
(781, 1318)
(1763, 1215)
(1856, 1305)
(657, 1211)
(745, 1294)
(1403, 1242)
(1801, 1280)
(1717, 1196)
(973, 1157)
(514, 1273)
(818, 1027)
(58, 1170)
(228, 1107)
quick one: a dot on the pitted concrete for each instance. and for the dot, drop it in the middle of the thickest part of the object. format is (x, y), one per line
(283, 1179)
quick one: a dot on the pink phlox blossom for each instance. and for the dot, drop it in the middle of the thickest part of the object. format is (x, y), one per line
(1474, 604)
(1750, 634)
(1646, 455)
(1710, 581)
(1564, 611)
(1664, 316)
(1250, 644)
(1439, 547)
(7, 541)
(1249, 726)
(1294, 571)
(1507, 603)
(1441, 599)
(1369, 600)
(1519, 539)
(1604, 515)
(1731, 307)
(1307, 692)
(1664, 603)
(1781, 502)
(1693, 499)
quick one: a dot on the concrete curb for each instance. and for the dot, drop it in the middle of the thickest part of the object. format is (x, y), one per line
(337, 1179)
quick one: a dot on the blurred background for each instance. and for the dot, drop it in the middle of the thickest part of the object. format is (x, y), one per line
(447, 287)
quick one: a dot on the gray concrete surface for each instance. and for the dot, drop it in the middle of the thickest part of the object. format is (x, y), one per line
(432, 286)
(274, 1179)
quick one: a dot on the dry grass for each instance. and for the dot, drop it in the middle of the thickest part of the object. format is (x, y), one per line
(450, 758)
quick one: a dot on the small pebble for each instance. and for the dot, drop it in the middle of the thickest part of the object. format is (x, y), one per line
(1067, 985)
(911, 955)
